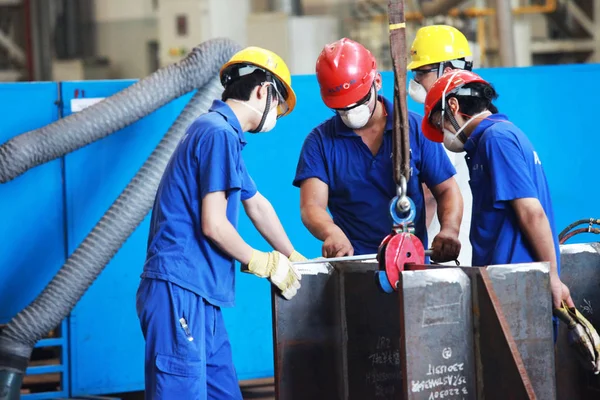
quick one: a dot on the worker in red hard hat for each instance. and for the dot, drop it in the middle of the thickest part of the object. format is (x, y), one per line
(346, 163)
(513, 219)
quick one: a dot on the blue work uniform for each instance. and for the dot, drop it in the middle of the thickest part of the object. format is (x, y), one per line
(187, 278)
(504, 166)
(361, 184)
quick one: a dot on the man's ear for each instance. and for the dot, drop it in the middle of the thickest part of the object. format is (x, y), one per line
(261, 91)
(453, 104)
(378, 82)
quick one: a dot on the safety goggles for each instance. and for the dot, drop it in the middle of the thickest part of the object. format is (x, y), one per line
(362, 101)
(419, 74)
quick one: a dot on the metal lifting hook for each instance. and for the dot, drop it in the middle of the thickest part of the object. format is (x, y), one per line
(402, 208)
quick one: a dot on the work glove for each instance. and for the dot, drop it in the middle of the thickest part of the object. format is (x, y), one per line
(278, 269)
(583, 338)
(296, 257)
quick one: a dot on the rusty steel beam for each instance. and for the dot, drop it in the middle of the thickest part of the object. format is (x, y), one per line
(504, 374)
(529, 321)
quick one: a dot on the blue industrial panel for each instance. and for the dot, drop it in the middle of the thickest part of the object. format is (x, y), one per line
(32, 228)
(106, 341)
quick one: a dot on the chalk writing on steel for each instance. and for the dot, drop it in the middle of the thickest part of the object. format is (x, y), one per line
(445, 314)
(587, 307)
(384, 372)
(442, 381)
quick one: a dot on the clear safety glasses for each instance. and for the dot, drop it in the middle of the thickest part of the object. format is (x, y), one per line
(282, 105)
(419, 74)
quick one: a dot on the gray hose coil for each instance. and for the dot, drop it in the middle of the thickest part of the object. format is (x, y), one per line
(130, 208)
(39, 146)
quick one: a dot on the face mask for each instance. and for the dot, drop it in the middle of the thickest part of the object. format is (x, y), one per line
(416, 91)
(357, 117)
(271, 119)
(455, 142)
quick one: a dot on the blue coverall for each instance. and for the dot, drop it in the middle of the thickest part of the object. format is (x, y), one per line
(186, 278)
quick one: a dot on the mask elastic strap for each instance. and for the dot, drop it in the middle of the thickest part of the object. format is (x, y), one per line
(376, 101)
(265, 112)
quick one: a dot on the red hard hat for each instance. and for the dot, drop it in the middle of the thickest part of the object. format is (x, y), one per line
(345, 71)
(447, 84)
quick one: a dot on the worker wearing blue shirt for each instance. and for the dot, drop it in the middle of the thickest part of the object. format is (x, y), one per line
(193, 243)
(513, 219)
(346, 164)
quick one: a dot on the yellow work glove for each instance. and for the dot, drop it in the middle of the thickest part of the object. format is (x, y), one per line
(278, 269)
(582, 337)
(296, 257)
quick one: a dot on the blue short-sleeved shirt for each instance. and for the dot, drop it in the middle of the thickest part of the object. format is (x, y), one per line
(361, 184)
(207, 159)
(503, 166)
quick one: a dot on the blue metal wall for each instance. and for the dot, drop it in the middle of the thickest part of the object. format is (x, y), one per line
(106, 345)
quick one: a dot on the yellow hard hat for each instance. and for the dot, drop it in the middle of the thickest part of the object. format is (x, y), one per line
(268, 62)
(437, 43)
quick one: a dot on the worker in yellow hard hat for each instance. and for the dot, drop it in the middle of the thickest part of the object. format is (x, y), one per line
(193, 244)
(435, 50)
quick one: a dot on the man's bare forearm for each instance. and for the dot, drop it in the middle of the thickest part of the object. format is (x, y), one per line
(449, 208)
(430, 205)
(227, 238)
(318, 221)
(536, 228)
(265, 220)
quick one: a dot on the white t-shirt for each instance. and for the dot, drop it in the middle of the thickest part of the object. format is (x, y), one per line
(462, 178)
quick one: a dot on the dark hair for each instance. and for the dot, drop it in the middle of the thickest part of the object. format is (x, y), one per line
(471, 105)
(241, 88)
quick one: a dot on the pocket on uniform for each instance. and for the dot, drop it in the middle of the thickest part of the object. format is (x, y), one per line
(178, 378)
(178, 366)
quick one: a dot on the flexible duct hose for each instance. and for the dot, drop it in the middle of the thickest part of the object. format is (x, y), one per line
(36, 147)
(125, 214)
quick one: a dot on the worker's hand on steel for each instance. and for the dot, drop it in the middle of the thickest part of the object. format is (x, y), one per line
(337, 245)
(296, 257)
(445, 246)
(278, 269)
(560, 293)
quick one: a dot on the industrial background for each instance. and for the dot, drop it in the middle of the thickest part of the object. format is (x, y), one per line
(57, 54)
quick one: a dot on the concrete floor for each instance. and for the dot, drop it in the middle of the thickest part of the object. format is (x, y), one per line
(258, 389)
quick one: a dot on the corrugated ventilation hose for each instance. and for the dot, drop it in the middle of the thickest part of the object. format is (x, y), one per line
(197, 71)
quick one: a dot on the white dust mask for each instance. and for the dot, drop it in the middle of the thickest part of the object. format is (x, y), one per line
(357, 117)
(270, 120)
(455, 142)
(416, 91)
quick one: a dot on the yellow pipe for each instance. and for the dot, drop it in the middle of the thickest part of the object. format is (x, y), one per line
(548, 7)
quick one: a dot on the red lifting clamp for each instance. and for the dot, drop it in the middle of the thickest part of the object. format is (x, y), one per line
(397, 250)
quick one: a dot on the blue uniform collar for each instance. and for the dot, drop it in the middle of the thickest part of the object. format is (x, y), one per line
(223, 108)
(473, 140)
(342, 130)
